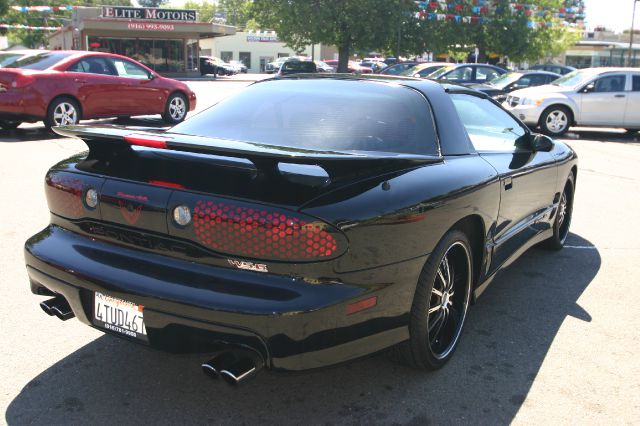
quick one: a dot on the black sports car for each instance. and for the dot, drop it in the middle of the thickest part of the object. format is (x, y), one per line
(499, 87)
(303, 222)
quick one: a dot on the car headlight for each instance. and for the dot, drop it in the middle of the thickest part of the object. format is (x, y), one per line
(532, 101)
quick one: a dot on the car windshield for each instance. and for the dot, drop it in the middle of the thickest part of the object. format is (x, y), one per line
(41, 61)
(441, 72)
(504, 80)
(574, 78)
(322, 115)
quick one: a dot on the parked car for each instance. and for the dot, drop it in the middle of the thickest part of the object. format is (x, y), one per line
(425, 69)
(396, 69)
(238, 66)
(297, 67)
(63, 87)
(213, 65)
(322, 219)
(467, 73)
(499, 87)
(376, 66)
(274, 66)
(588, 97)
(558, 69)
(352, 67)
(324, 67)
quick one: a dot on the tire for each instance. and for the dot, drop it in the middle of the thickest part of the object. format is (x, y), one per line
(9, 125)
(62, 112)
(176, 109)
(556, 120)
(562, 221)
(438, 314)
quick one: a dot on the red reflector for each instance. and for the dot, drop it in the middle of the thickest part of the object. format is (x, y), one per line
(167, 184)
(64, 195)
(148, 141)
(361, 305)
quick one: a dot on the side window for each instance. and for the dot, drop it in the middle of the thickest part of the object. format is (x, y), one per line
(462, 73)
(93, 65)
(489, 127)
(611, 83)
(636, 83)
(128, 69)
(525, 82)
(486, 74)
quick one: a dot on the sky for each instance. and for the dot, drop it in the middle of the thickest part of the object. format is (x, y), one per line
(612, 14)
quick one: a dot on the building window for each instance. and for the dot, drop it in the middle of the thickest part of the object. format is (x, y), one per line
(226, 56)
(193, 57)
(245, 58)
(159, 55)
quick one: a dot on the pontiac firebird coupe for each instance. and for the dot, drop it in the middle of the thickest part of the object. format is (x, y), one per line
(303, 222)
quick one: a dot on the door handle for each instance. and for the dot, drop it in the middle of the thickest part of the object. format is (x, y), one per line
(618, 96)
(508, 183)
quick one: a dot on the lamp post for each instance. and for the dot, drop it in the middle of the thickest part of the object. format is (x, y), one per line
(633, 18)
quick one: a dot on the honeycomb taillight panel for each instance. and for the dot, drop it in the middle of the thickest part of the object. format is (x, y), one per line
(65, 194)
(258, 232)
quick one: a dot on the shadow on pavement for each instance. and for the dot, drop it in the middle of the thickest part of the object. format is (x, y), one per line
(509, 332)
(600, 135)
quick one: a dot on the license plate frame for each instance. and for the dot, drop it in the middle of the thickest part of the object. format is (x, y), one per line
(119, 316)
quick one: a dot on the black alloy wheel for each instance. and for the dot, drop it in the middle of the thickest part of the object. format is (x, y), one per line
(563, 217)
(9, 125)
(440, 304)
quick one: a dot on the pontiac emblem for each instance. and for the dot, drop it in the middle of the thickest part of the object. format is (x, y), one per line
(130, 212)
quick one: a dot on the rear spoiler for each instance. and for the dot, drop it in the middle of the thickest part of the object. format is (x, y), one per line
(265, 157)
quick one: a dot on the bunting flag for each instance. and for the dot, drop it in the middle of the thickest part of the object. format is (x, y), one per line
(43, 8)
(477, 11)
(28, 27)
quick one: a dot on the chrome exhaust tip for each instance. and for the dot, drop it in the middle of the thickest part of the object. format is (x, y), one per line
(234, 367)
(59, 307)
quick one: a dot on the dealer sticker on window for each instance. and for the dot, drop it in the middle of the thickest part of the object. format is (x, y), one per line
(119, 316)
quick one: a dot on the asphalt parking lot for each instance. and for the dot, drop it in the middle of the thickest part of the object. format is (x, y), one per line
(553, 340)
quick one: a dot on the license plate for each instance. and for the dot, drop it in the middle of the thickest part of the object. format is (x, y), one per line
(120, 316)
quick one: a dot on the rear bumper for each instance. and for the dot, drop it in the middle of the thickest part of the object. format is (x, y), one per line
(192, 307)
(20, 105)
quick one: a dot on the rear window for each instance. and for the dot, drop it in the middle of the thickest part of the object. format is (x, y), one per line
(322, 115)
(41, 61)
(298, 66)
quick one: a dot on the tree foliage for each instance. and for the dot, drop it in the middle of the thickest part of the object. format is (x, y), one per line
(351, 25)
(152, 3)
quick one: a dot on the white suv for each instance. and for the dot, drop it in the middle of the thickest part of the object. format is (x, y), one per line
(588, 97)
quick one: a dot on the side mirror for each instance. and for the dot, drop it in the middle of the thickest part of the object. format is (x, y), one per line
(542, 143)
(589, 88)
(151, 76)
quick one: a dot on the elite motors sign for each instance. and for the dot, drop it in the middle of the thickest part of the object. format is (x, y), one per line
(148, 13)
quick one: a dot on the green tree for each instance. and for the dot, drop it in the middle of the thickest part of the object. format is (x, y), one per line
(152, 3)
(205, 9)
(237, 11)
(351, 25)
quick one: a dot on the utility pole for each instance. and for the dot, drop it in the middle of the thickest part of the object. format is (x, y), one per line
(633, 19)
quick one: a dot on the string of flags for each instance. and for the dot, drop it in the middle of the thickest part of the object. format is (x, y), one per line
(43, 8)
(476, 10)
(27, 27)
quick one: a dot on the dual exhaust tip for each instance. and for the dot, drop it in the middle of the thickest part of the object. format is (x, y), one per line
(59, 307)
(234, 367)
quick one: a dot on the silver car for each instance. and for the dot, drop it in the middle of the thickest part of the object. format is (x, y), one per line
(588, 97)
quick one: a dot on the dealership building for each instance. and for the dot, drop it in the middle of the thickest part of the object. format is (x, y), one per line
(166, 40)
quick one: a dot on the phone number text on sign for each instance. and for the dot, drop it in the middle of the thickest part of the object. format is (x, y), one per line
(150, 26)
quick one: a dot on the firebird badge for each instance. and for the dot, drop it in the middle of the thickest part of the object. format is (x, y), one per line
(130, 212)
(250, 266)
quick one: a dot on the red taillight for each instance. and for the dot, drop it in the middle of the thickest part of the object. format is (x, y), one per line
(21, 81)
(64, 195)
(166, 184)
(148, 141)
(361, 305)
(263, 234)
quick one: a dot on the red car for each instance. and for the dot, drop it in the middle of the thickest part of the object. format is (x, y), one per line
(62, 87)
(352, 67)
